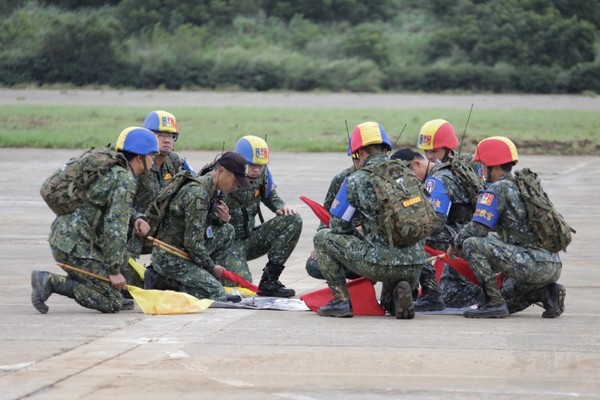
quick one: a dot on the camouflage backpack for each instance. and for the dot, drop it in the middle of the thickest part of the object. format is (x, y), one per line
(65, 189)
(550, 228)
(404, 214)
(157, 210)
(461, 167)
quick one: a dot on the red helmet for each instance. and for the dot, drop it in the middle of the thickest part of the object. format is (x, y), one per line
(437, 134)
(496, 150)
(369, 133)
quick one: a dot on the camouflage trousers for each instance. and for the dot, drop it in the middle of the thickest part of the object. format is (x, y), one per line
(376, 263)
(190, 277)
(313, 270)
(525, 270)
(90, 292)
(277, 238)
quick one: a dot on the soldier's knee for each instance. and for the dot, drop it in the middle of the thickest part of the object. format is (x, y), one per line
(320, 238)
(469, 245)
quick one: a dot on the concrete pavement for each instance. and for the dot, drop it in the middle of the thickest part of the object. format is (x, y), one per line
(75, 353)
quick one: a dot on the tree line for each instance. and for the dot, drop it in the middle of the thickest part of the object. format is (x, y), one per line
(529, 46)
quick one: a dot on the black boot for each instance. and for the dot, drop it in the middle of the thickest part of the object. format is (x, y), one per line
(269, 282)
(340, 306)
(554, 300)
(403, 304)
(44, 283)
(128, 305)
(494, 307)
(430, 302)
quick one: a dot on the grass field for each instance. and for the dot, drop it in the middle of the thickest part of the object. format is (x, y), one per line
(298, 130)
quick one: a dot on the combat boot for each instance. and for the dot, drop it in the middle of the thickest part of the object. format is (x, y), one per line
(494, 307)
(269, 282)
(403, 303)
(430, 302)
(554, 300)
(340, 306)
(128, 305)
(45, 283)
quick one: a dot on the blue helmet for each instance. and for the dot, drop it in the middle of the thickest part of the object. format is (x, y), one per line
(161, 121)
(137, 140)
(254, 149)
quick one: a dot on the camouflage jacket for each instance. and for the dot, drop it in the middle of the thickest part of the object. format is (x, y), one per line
(512, 215)
(461, 210)
(98, 230)
(150, 183)
(361, 196)
(186, 222)
(244, 204)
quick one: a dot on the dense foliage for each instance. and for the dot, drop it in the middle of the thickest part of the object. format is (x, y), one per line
(532, 46)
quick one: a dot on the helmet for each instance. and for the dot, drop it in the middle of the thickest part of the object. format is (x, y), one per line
(496, 150)
(137, 140)
(437, 134)
(368, 133)
(254, 150)
(161, 121)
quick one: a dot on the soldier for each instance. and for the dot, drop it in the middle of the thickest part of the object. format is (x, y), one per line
(276, 237)
(105, 217)
(499, 240)
(187, 225)
(371, 255)
(166, 164)
(438, 140)
(312, 266)
(451, 202)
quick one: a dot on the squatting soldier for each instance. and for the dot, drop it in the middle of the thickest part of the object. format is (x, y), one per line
(187, 225)
(105, 216)
(438, 140)
(447, 194)
(276, 237)
(371, 255)
(312, 265)
(496, 241)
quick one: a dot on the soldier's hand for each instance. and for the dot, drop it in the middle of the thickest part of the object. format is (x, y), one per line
(141, 227)
(285, 210)
(313, 254)
(118, 281)
(217, 271)
(222, 212)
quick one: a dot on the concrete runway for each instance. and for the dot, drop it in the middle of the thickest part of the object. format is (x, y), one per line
(75, 353)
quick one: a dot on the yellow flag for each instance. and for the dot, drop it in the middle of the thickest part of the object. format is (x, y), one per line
(139, 268)
(165, 302)
(243, 292)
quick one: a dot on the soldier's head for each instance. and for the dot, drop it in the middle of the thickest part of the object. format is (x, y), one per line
(369, 138)
(139, 146)
(437, 139)
(497, 154)
(418, 163)
(256, 153)
(164, 126)
(229, 172)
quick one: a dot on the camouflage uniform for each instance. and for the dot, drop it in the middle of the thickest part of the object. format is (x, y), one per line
(149, 186)
(312, 266)
(371, 256)
(188, 226)
(94, 238)
(276, 237)
(508, 249)
(456, 290)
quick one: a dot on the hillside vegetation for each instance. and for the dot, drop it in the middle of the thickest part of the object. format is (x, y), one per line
(527, 46)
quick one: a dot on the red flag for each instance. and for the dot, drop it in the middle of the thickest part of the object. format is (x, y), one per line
(362, 296)
(235, 278)
(318, 209)
(459, 264)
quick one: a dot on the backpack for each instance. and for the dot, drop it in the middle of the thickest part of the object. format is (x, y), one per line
(460, 166)
(404, 214)
(551, 230)
(64, 190)
(157, 210)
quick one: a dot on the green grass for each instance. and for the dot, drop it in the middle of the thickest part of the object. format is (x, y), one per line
(300, 130)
